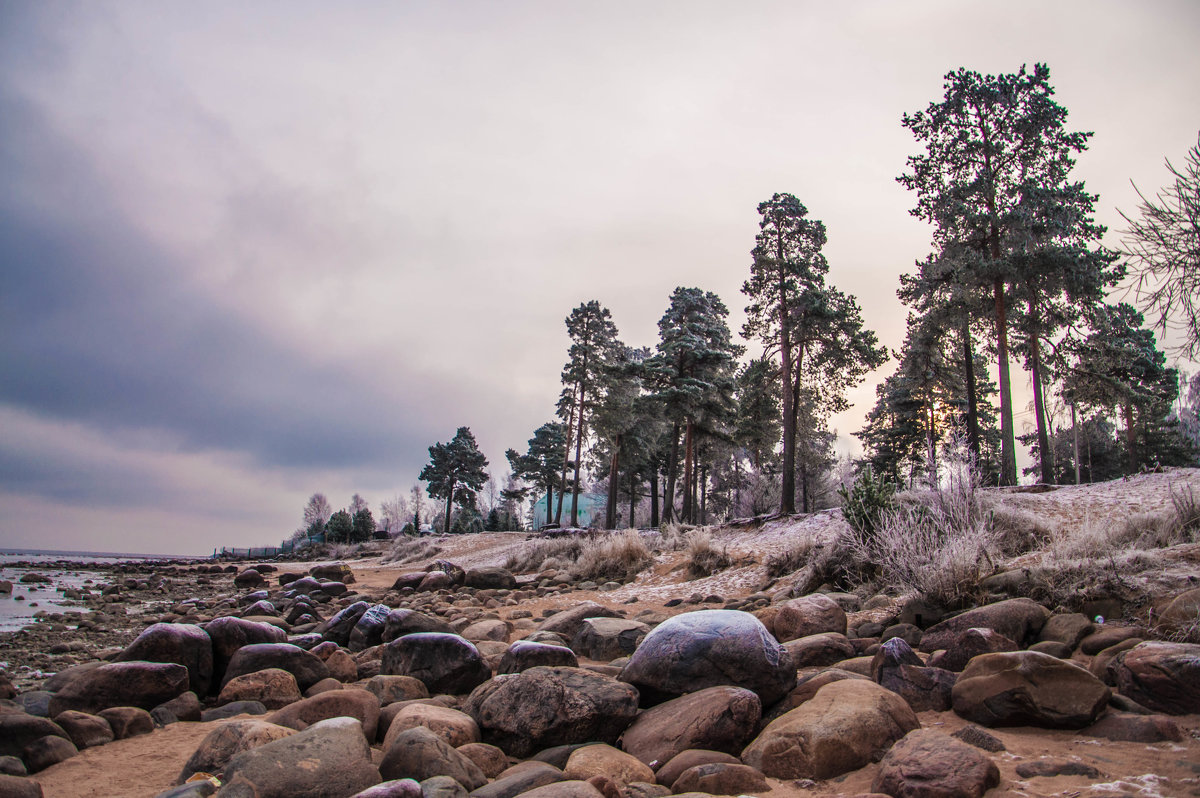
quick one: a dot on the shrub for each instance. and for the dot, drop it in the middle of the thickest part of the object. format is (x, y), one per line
(617, 558)
(405, 550)
(791, 560)
(703, 558)
(537, 555)
(866, 501)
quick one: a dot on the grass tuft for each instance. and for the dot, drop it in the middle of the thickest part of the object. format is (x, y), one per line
(703, 557)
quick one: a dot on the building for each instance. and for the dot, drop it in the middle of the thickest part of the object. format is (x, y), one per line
(591, 510)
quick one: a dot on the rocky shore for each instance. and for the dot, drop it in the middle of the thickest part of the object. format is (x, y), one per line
(443, 680)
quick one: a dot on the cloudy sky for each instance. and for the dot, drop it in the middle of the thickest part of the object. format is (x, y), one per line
(249, 251)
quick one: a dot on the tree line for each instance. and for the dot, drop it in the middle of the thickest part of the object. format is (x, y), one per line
(686, 430)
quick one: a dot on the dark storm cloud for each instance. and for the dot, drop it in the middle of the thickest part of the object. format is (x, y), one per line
(99, 325)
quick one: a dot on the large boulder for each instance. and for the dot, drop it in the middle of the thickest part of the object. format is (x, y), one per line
(272, 687)
(19, 729)
(335, 571)
(720, 778)
(898, 668)
(568, 622)
(716, 719)
(330, 759)
(402, 622)
(709, 648)
(446, 663)
(351, 702)
(524, 654)
(820, 650)
(1019, 619)
(418, 753)
(674, 767)
(599, 759)
(46, 751)
(182, 643)
(520, 779)
(306, 667)
(228, 634)
(847, 725)
(85, 730)
(490, 578)
(522, 713)
(1027, 688)
(606, 639)
(930, 764)
(389, 689)
(1068, 628)
(456, 728)
(809, 615)
(122, 684)
(1182, 613)
(1161, 676)
(967, 645)
(227, 740)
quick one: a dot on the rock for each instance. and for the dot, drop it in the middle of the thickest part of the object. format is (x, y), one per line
(338, 628)
(720, 778)
(973, 735)
(127, 722)
(1182, 613)
(968, 644)
(330, 758)
(420, 754)
(233, 710)
(928, 763)
(406, 622)
(1100, 663)
(60, 680)
(565, 789)
(368, 630)
(819, 650)
(716, 719)
(519, 780)
(36, 702)
(898, 668)
(606, 639)
(1053, 648)
(325, 685)
(182, 643)
(488, 758)
(1067, 628)
(488, 629)
(46, 751)
(227, 740)
(391, 688)
(809, 615)
(18, 787)
(1125, 727)
(273, 687)
(342, 666)
(1019, 619)
(1056, 767)
(228, 634)
(568, 622)
(396, 788)
(121, 684)
(185, 706)
(604, 760)
(525, 712)
(456, 728)
(1164, 677)
(350, 702)
(1108, 636)
(306, 667)
(442, 787)
(523, 655)
(490, 578)
(845, 726)
(409, 581)
(12, 766)
(1025, 688)
(85, 730)
(249, 578)
(445, 663)
(673, 768)
(436, 580)
(337, 572)
(807, 688)
(709, 648)
(910, 633)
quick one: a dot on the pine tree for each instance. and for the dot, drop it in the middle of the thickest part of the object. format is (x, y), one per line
(456, 470)
(542, 461)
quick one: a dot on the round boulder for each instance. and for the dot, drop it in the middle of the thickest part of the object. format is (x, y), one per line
(330, 757)
(1019, 619)
(272, 687)
(418, 753)
(85, 730)
(716, 719)
(604, 760)
(350, 702)
(182, 643)
(709, 648)
(522, 713)
(809, 615)
(929, 763)
(122, 684)
(306, 667)
(524, 654)
(1027, 688)
(445, 663)
(228, 634)
(1161, 676)
(402, 622)
(606, 639)
(227, 740)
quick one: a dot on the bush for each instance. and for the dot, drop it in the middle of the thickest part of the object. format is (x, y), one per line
(406, 550)
(866, 502)
(791, 560)
(618, 558)
(534, 557)
(703, 558)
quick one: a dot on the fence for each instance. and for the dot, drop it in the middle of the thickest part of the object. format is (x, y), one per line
(259, 552)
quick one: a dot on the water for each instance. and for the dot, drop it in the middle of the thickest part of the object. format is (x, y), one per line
(17, 609)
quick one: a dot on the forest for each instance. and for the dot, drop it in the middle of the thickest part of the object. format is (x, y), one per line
(693, 431)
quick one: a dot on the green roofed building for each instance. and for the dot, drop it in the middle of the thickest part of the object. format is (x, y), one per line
(591, 510)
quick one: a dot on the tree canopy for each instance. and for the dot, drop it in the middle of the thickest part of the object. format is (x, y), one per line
(456, 470)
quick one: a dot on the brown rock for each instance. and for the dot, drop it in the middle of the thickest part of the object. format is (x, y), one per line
(273, 687)
(330, 758)
(674, 767)
(1164, 677)
(420, 754)
(488, 758)
(456, 728)
(1123, 726)
(349, 702)
(85, 730)
(568, 622)
(128, 721)
(716, 718)
(228, 739)
(1100, 664)
(1067, 628)
(930, 764)
(1106, 636)
(809, 615)
(19, 787)
(1027, 688)
(820, 650)
(391, 688)
(46, 751)
(721, 778)
(606, 639)
(967, 645)
(604, 760)
(121, 684)
(847, 725)
(564, 789)
(1019, 619)
(19, 729)
(184, 644)
(808, 687)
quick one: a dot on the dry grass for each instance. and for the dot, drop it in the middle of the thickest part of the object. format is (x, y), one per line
(406, 549)
(703, 556)
(543, 554)
(792, 559)
(618, 557)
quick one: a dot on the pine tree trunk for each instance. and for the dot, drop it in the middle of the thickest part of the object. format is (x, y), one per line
(632, 499)
(610, 515)
(549, 500)
(1008, 450)
(931, 440)
(972, 398)
(1075, 435)
(704, 495)
(578, 452)
(787, 496)
(562, 485)
(654, 496)
(1130, 437)
(668, 509)
(1045, 456)
(449, 498)
(687, 515)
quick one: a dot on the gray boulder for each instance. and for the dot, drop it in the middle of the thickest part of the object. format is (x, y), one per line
(445, 663)
(307, 667)
(182, 643)
(122, 684)
(330, 759)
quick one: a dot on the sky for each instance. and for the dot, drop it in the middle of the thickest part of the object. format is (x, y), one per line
(252, 251)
